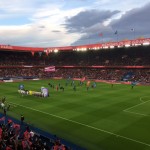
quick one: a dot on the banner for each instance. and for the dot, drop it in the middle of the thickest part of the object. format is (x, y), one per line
(49, 69)
(83, 79)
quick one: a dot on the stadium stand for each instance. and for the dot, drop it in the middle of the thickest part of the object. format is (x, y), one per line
(15, 135)
(115, 64)
(135, 56)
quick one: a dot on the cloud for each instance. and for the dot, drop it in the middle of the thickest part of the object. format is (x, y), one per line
(42, 30)
(42, 26)
(56, 31)
(137, 18)
(123, 6)
(86, 19)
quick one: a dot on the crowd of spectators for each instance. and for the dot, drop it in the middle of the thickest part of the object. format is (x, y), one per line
(117, 57)
(122, 56)
(21, 72)
(15, 136)
(24, 64)
(20, 59)
(140, 75)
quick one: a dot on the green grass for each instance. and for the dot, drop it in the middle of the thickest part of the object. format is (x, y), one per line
(93, 119)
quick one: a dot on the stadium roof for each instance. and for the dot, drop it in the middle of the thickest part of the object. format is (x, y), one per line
(97, 46)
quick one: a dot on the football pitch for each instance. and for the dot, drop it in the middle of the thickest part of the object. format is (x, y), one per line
(102, 118)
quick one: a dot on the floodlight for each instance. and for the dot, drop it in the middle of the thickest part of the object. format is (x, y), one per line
(55, 50)
(112, 47)
(127, 45)
(146, 43)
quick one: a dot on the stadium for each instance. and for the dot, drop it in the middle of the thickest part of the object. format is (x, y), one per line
(82, 93)
(111, 111)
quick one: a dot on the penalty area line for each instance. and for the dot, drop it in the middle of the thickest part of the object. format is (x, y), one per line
(136, 105)
(85, 125)
(140, 114)
(141, 98)
(136, 113)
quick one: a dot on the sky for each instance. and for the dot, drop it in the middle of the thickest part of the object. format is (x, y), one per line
(52, 23)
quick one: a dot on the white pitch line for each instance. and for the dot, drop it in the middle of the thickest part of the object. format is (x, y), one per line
(142, 98)
(82, 124)
(136, 113)
(143, 102)
(136, 105)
